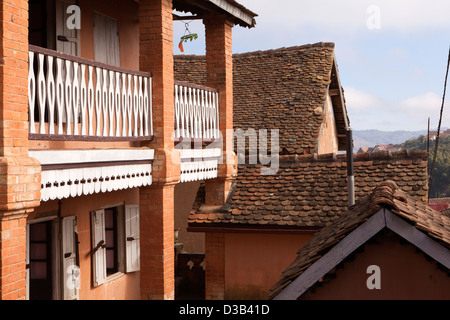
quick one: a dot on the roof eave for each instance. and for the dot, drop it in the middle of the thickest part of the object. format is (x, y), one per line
(339, 107)
(244, 17)
(237, 12)
(249, 228)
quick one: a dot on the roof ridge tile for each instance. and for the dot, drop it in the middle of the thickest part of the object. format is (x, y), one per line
(361, 157)
(317, 45)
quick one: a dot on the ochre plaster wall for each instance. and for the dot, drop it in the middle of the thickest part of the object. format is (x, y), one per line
(328, 142)
(185, 193)
(254, 261)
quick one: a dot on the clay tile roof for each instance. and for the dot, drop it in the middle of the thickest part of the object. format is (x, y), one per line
(446, 212)
(282, 89)
(386, 195)
(310, 191)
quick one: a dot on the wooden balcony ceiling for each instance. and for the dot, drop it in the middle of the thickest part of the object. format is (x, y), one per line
(240, 14)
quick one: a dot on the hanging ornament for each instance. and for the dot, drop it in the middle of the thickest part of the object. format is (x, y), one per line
(188, 36)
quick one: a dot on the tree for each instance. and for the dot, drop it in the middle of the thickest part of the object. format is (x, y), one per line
(441, 174)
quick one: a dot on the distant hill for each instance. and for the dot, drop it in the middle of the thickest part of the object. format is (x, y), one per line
(370, 138)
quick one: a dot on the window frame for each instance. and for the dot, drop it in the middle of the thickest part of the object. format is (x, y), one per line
(122, 246)
(114, 247)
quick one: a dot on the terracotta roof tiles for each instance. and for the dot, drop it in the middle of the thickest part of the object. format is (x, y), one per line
(310, 191)
(282, 89)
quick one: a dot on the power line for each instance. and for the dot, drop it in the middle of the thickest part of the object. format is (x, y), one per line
(439, 128)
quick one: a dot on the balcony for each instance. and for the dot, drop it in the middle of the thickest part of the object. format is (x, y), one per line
(72, 98)
(197, 123)
(76, 99)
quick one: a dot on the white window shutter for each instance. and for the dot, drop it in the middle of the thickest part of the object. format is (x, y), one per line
(98, 247)
(70, 270)
(132, 242)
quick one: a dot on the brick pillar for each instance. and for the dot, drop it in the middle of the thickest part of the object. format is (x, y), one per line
(19, 174)
(157, 201)
(219, 75)
(214, 266)
(157, 242)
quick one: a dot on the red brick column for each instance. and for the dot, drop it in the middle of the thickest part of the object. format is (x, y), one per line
(157, 242)
(14, 78)
(12, 257)
(19, 174)
(157, 201)
(219, 65)
(214, 266)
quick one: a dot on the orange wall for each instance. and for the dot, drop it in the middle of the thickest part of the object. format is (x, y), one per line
(126, 286)
(254, 262)
(185, 194)
(328, 135)
(405, 273)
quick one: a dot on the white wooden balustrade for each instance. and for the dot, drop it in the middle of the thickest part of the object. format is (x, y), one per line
(75, 98)
(196, 112)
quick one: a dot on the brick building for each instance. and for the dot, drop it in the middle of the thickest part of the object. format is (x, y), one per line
(89, 167)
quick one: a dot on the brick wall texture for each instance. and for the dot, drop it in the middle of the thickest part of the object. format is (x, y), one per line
(19, 174)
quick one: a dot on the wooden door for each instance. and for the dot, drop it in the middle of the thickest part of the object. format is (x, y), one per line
(40, 261)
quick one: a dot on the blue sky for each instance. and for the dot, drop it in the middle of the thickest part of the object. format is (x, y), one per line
(392, 55)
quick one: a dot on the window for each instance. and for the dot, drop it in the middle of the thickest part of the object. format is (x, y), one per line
(112, 262)
(115, 241)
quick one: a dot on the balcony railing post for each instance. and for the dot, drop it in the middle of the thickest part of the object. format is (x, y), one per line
(90, 100)
(31, 92)
(83, 98)
(59, 95)
(51, 95)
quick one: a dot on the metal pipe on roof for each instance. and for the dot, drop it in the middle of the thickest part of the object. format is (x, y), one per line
(350, 174)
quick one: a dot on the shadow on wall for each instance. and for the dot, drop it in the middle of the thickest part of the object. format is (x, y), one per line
(185, 194)
(190, 276)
